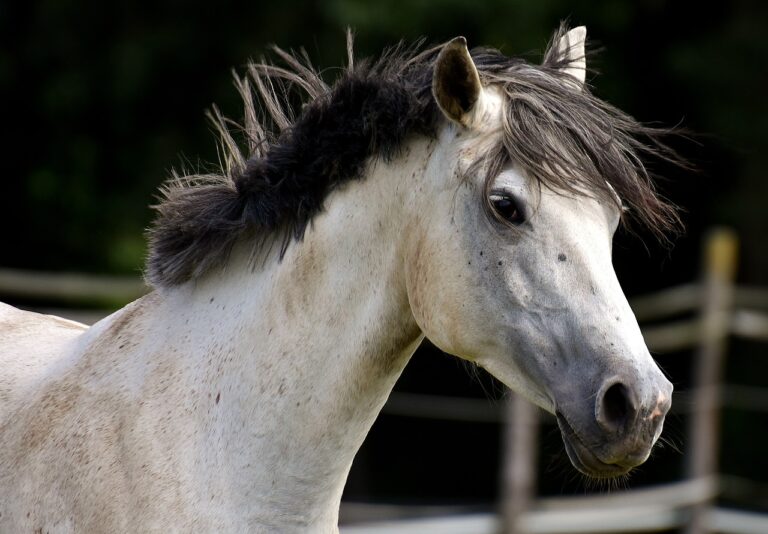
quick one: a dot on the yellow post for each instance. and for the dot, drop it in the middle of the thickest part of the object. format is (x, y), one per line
(720, 261)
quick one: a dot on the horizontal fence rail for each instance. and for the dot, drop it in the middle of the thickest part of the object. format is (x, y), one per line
(600, 521)
(69, 287)
(750, 316)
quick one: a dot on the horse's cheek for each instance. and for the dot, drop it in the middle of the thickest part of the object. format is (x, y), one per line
(431, 287)
(417, 280)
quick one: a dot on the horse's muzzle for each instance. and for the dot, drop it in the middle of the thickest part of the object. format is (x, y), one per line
(622, 432)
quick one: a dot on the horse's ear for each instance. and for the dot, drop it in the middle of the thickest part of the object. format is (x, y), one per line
(455, 81)
(570, 50)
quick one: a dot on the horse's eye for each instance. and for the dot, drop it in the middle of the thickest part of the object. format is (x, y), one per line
(507, 208)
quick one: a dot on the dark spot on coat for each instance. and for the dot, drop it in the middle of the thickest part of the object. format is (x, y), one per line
(562, 257)
(218, 396)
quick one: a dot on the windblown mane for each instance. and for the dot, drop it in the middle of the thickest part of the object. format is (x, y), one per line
(298, 154)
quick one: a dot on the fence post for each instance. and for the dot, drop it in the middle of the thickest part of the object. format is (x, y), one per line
(519, 471)
(720, 260)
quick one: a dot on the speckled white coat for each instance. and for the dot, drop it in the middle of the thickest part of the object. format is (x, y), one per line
(237, 403)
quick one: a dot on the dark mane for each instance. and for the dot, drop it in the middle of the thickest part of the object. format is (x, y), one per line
(565, 138)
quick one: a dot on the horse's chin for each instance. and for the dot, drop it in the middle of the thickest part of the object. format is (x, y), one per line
(583, 458)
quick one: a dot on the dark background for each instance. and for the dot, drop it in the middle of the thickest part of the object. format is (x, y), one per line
(101, 99)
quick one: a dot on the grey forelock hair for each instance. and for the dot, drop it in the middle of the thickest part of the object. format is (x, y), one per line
(297, 154)
(569, 140)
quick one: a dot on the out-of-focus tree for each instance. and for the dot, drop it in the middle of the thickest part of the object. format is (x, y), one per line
(102, 99)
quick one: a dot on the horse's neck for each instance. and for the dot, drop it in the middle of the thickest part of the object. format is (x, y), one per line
(296, 358)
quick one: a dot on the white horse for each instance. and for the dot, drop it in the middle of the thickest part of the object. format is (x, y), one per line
(468, 198)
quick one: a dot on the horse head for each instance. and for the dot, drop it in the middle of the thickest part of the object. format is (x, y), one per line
(534, 174)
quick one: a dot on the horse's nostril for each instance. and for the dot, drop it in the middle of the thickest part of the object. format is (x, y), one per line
(615, 408)
(615, 403)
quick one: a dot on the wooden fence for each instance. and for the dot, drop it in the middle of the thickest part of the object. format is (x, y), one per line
(719, 310)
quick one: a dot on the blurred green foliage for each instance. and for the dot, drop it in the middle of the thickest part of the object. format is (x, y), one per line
(102, 99)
